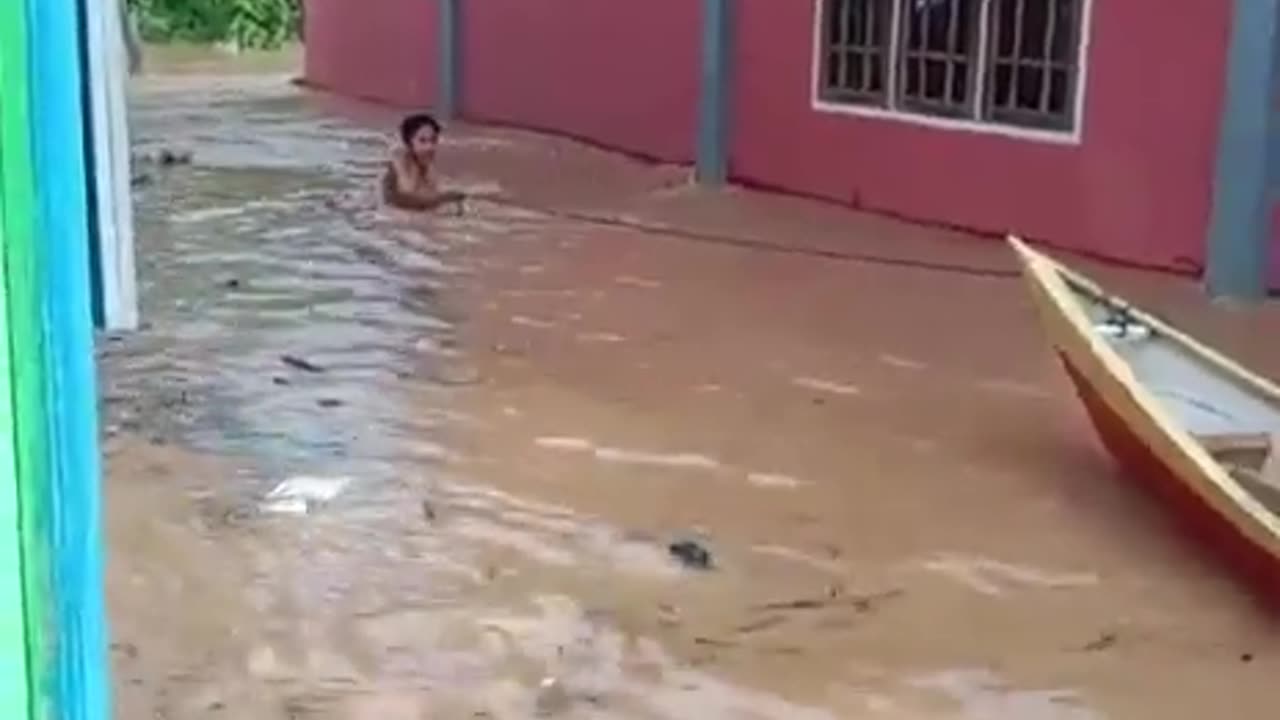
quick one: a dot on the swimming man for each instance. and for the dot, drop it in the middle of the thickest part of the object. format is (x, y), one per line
(407, 183)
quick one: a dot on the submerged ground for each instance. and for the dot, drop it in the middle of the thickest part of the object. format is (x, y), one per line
(517, 410)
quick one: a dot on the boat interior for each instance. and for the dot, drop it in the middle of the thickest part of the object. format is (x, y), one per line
(1234, 420)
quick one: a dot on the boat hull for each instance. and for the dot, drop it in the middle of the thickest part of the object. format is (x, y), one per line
(1147, 467)
(1150, 449)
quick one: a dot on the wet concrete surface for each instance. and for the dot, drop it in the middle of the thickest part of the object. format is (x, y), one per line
(364, 465)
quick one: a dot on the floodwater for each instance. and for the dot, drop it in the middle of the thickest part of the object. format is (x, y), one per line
(363, 465)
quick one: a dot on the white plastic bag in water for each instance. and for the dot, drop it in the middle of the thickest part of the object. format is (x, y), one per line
(298, 495)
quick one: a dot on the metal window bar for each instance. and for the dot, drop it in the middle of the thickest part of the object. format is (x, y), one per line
(938, 56)
(855, 51)
(1033, 63)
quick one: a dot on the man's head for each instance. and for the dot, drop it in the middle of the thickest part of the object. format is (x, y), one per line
(420, 132)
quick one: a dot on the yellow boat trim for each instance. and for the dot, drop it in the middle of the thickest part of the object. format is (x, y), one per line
(1072, 331)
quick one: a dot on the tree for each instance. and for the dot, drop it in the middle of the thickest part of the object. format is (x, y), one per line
(264, 24)
(132, 43)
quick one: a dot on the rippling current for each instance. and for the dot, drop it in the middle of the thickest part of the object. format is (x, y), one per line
(279, 326)
(368, 527)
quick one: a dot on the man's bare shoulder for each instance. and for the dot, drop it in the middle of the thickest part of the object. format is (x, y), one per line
(400, 157)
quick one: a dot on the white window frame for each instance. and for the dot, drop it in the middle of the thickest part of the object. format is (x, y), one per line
(1074, 136)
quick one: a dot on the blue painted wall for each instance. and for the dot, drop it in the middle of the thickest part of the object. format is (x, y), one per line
(449, 37)
(81, 667)
(716, 81)
(1236, 263)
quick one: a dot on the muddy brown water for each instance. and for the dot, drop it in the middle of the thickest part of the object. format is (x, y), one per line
(518, 412)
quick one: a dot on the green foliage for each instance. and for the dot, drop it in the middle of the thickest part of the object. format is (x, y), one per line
(262, 24)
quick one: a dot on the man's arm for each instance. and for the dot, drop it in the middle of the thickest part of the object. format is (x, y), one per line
(395, 197)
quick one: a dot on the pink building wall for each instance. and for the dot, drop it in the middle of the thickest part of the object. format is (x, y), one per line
(1137, 188)
(621, 74)
(382, 50)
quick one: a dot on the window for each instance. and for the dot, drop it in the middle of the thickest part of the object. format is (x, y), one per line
(857, 50)
(937, 54)
(1005, 62)
(1033, 62)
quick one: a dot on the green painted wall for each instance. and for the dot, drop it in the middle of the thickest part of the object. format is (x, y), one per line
(23, 659)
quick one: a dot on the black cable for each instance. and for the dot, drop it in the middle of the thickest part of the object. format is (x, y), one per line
(752, 243)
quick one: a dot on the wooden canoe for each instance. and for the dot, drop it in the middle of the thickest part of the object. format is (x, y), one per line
(1180, 418)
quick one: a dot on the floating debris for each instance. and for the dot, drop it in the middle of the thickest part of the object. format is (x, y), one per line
(299, 494)
(165, 156)
(1103, 642)
(302, 364)
(691, 554)
(835, 597)
(712, 642)
(329, 403)
(127, 649)
(170, 156)
(868, 603)
(552, 699)
(800, 604)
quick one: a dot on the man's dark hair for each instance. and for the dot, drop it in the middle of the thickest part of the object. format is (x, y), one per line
(412, 124)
